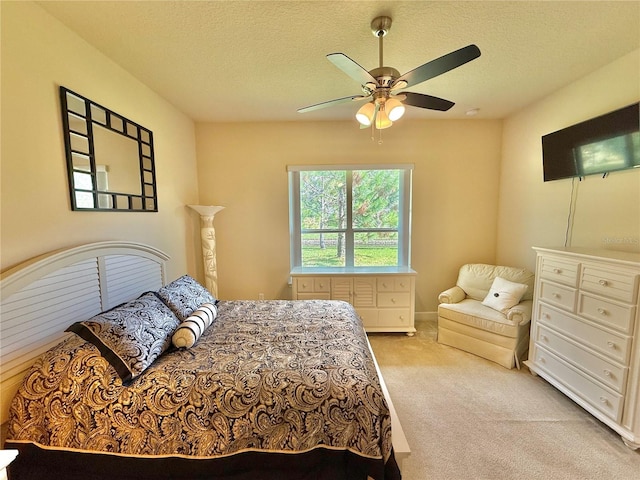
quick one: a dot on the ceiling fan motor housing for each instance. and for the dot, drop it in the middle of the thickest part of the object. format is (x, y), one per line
(384, 76)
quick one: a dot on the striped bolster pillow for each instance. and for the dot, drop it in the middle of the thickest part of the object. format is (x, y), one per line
(189, 331)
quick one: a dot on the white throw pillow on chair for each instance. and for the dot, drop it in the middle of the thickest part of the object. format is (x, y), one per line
(504, 294)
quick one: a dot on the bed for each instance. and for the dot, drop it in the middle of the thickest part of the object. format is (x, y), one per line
(265, 389)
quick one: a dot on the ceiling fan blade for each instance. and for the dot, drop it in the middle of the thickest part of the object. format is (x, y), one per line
(437, 67)
(427, 101)
(330, 103)
(351, 68)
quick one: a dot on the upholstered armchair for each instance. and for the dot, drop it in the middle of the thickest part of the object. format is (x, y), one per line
(488, 312)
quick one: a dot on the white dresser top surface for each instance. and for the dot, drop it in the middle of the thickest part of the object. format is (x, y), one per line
(587, 252)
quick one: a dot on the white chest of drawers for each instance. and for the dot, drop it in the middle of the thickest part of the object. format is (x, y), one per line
(585, 332)
(384, 299)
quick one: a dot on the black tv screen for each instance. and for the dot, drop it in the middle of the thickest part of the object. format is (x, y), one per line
(600, 145)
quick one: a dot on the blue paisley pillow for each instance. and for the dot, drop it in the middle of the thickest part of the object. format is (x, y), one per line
(132, 335)
(184, 295)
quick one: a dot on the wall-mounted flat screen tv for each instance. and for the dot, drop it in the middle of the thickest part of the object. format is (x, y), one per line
(600, 145)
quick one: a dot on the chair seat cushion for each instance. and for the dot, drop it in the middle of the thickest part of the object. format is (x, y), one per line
(474, 314)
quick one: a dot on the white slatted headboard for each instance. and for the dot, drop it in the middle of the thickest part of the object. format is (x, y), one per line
(41, 297)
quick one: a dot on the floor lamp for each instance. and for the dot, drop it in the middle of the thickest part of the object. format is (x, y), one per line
(208, 240)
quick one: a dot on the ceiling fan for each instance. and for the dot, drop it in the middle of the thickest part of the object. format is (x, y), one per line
(384, 86)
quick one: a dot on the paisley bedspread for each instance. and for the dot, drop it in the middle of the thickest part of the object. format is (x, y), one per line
(276, 377)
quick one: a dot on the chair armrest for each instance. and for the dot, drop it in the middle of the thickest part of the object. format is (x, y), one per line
(521, 314)
(452, 295)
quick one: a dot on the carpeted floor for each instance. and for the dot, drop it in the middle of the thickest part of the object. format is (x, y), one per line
(466, 418)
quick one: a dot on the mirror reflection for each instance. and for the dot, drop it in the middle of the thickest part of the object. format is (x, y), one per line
(109, 158)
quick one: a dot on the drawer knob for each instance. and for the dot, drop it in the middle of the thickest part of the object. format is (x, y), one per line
(321, 285)
(546, 315)
(544, 338)
(602, 311)
(555, 295)
(304, 285)
(393, 300)
(557, 270)
(384, 285)
(604, 401)
(607, 373)
(610, 344)
(604, 283)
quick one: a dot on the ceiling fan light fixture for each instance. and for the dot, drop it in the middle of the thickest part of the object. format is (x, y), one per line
(394, 109)
(365, 114)
(382, 120)
(399, 85)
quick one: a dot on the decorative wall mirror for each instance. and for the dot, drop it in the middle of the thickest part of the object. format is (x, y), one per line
(109, 158)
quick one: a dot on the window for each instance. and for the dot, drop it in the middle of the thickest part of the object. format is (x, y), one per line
(349, 217)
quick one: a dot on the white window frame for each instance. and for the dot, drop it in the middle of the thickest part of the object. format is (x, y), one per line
(404, 214)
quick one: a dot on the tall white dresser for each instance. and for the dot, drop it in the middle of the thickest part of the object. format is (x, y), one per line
(585, 332)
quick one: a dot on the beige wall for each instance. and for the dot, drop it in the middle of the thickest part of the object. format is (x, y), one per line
(533, 212)
(478, 190)
(38, 55)
(455, 185)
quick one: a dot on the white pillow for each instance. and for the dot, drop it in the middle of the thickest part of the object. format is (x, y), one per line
(189, 331)
(504, 294)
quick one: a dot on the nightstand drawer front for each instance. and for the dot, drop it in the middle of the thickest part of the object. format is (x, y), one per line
(607, 402)
(559, 295)
(394, 299)
(607, 372)
(617, 316)
(560, 271)
(619, 285)
(616, 347)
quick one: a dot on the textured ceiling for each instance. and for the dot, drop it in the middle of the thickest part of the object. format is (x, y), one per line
(262, 60)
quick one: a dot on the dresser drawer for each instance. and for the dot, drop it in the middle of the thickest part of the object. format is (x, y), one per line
(304, 284)
(369, 316)
(620, 285)
(558, 295)
(394, 299)
(394, 284)
(559, 270)
(616, 347)
(394, 317)
(314, 296)
(607, 372)
(608, 313)
(607, 402)
(322, 285)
